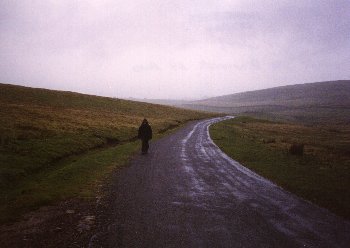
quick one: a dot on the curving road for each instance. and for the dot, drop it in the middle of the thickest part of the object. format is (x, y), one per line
(187, 193)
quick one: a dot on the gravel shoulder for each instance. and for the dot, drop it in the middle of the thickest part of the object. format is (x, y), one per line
(69, 223)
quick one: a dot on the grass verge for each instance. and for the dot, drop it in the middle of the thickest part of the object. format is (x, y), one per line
(321, 174)
(76, 176)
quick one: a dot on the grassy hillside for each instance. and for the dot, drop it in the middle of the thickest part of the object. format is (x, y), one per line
(59, 144)
(307, 103)
(321, 174)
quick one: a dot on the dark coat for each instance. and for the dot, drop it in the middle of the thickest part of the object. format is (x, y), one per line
(145, 132)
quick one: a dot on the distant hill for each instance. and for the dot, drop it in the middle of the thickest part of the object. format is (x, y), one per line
(310, 103)
(168, 102)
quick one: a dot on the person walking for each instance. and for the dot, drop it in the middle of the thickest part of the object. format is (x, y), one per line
(145, 134)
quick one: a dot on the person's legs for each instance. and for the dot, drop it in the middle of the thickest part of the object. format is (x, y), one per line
(145, 146)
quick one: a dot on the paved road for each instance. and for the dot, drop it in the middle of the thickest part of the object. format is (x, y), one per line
(187, 193)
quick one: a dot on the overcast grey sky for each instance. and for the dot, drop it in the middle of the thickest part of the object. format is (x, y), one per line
(172, 48)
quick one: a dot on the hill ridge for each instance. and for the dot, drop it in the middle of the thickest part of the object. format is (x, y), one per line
(300, 101)
(288, 88)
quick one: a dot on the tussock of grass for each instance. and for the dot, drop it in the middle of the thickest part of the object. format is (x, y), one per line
(321, 174)
(41, 130)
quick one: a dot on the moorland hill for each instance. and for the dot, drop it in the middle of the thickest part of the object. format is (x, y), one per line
(312, 102)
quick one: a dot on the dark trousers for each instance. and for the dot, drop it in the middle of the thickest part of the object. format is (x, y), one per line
(145, 145)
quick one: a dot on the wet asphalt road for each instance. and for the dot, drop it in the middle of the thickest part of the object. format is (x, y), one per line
(187, 193)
